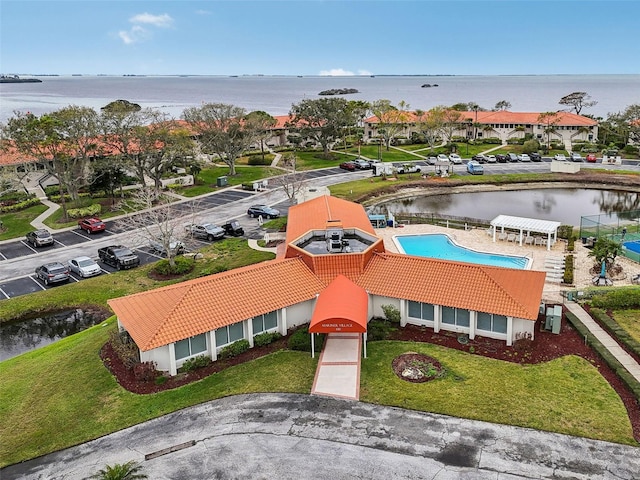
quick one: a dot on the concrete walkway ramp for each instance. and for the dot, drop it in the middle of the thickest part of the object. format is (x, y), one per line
(338, 373)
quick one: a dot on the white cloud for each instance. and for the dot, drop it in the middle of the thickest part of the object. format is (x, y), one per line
(203, 12)
(161, 21)
(340, 72)
(135, 35)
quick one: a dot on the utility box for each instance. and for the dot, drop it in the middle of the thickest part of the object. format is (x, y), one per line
(222, 182)
(554, 319)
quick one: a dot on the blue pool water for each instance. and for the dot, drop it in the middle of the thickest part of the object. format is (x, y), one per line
(633, 246)
(440, 246)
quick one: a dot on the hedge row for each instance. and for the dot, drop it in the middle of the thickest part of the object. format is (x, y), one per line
(568, 270)
(618, 299)
(16, 207)
(606, 355)
(616, 330)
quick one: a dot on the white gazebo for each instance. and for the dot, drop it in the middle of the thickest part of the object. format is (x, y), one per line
(525, 226)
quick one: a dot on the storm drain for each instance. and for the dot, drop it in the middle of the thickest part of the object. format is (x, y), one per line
(174, 448)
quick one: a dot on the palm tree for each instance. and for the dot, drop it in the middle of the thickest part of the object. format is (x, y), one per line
(130, 470)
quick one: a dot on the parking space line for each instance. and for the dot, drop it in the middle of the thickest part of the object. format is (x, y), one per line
(28, 246)
(5, 295)
(37, 282)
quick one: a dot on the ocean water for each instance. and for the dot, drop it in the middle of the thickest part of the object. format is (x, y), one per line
(275, 95)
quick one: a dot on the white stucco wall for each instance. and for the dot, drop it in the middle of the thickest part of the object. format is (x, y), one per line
(300, 313)
(521, 326)
(158, 355)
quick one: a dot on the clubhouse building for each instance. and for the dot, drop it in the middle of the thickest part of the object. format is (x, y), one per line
(334, 274)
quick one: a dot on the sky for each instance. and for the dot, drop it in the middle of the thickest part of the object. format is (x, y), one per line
(314, 37)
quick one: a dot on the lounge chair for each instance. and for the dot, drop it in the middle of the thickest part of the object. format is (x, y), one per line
(538, 241)
(528, 240)
(511, 237)
(502, 236)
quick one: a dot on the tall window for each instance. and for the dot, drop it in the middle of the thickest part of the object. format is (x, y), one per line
(455, 316)
(191, 346)
(492, 323)
(420, 310)
(229, 334)
(265, 322)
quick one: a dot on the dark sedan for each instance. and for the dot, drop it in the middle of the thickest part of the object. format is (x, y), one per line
(263, 211)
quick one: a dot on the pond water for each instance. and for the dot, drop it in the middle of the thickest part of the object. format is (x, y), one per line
(28, 334)
(563, 205)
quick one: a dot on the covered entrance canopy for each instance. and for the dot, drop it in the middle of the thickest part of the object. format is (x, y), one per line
(526, 226)
(341, 307)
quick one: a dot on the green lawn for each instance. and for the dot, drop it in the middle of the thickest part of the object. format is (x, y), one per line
(206, 182)
(630, 321)
(18, 224)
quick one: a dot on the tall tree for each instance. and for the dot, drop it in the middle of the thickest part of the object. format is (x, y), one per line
(262, 123)
(451, 120)
(392, 120)
(632, 117)
(503, 105)
(550, 121)
(430, 125)
(222, 131)
(323, 120)
(577, 101)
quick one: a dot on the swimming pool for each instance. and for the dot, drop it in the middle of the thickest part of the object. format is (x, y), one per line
(441, 246)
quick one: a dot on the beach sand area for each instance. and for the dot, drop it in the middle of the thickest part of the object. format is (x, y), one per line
(479, 239)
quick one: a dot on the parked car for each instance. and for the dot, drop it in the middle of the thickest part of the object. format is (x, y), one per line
(480, 158)
(54, 272)
(408, 168)
(40, 238)
(523, 157)
(512, 157)
(501, 158)
(85, 267)
(455, 158)
(118, 256)
(432, 160)
(560, 157)
(535, 157)
(575, 157)
(362, 164)
(443, 158)
(591, 158)
(264, 211)
(474, 168)
(233, 228)
(350, 166)
(92, 225)
(176, 247)
(207, 231)
(491, 158)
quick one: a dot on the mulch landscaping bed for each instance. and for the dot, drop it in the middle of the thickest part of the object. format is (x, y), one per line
(545, 347)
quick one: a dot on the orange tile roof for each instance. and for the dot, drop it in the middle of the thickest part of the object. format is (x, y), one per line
(341, 307)
(482, 288)
(314, 214)
(169, 314)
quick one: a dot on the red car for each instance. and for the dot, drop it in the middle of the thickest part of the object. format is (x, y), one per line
(591, 157)
(92, 225)
(350, 166)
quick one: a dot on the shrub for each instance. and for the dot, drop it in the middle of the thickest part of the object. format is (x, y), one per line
(161, 380)
(182, 265)
(630, 149)
(125, 348)
(565, 231)
(192, 364)
(391, 313)
(265, 338)
(492, 141)
(301, 340)
(15, 207)
(568, 270)
(145, 371)
(618, 299)
(90, 211)
(531, 146)
(235, 349)
(258, 160)
(379, 329)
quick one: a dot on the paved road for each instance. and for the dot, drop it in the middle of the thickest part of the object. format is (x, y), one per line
(282, 436)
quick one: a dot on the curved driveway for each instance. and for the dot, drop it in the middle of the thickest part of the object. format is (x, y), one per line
(286, 436)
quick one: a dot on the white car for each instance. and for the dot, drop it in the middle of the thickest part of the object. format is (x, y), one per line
(455, 158)
(85, 267)
(560, 157)
(524, 157)
(490, 158)
(408, 168)
(442, 158)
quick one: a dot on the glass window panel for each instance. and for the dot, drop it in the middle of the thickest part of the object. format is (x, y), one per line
(258, 326)
(449, 315)
(484, 321)
(235, 332)
(414, 309)
(198, 344)
(182, 349)
(463, 317)
(222, 337)
(427, 311)
(500, 324)
(270, 320)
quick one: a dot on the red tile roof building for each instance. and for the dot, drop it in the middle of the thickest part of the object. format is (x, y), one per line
(311, 283)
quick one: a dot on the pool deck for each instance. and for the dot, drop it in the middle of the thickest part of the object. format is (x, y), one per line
(478, 239)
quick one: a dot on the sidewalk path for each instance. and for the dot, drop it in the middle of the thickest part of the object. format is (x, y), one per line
(603, 337)
(338, 372)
